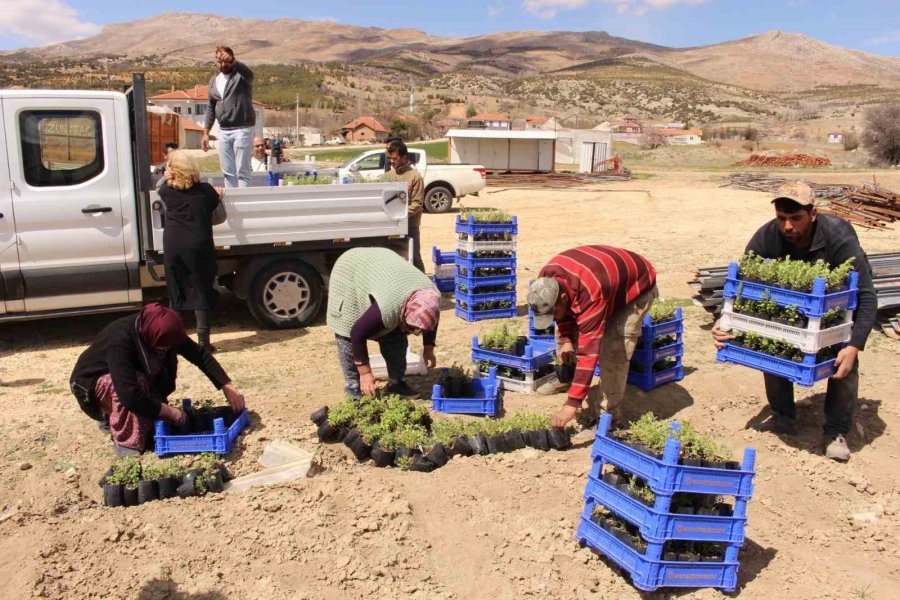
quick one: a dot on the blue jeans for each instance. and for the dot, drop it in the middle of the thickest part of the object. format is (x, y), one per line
(235, 151)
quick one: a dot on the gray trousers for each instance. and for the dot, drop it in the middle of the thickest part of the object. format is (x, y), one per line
(393, 348)
(840, 400)
(416, 234)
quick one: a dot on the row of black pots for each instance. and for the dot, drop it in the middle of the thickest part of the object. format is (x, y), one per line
(201, 421)
(620, 530)
(117, 494)
(458, 387)
(731, 465)
(683, 504)
(517, 350)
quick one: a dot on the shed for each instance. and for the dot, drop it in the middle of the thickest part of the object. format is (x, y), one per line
(587, 148)
(501, 150)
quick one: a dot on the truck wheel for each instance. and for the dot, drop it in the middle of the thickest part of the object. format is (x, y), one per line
(285, 294)
(438, 200)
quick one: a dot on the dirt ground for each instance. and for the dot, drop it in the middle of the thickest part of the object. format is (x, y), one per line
(497, 527)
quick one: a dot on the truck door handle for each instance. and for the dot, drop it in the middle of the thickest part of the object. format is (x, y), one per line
(99, 209)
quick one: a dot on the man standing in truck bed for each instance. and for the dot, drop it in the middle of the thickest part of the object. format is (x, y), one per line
(231, 104)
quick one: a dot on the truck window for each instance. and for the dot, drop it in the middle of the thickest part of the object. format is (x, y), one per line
(374, 162)
(61, 147)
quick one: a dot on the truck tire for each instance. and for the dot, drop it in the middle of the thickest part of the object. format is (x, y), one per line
(285, 294)
(438, 199)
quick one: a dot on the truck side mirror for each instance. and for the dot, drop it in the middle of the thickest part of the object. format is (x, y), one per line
(354, 168)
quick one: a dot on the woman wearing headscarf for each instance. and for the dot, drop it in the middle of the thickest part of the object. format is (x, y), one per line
(188, 250)
(125, 377)
(374, 294)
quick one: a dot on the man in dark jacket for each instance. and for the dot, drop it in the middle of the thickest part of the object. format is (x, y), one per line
(231, 104)
(799, 232)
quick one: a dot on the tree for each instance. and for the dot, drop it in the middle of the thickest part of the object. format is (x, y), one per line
(851, 141)
(881, 136)
(406, 128)
(470, 111)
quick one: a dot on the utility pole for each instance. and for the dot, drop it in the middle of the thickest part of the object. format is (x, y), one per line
(108, 84)
(297, 121)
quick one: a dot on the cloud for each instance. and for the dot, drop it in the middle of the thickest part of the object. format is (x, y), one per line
(548, 9)
(495, 9)
(888, 38)
(42, 22)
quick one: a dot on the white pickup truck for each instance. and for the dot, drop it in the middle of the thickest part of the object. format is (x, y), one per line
(443, 183)
(81, 228)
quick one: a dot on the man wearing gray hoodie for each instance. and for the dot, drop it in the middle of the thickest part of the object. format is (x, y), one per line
(231, 104)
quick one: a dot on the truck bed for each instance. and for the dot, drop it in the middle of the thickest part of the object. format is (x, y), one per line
(289, 214)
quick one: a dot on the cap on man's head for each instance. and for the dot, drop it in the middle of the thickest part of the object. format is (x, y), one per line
(797, 191)
(542, 295)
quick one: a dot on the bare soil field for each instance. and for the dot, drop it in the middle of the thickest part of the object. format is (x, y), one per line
(498, 527)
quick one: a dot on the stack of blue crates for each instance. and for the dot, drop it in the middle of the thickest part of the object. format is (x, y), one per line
(482, 296)
(659, 524)
(645, 354)
(812, 305)
(444, 277)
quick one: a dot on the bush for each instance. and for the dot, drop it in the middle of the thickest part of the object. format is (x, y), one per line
(881, 136)
(851, 141)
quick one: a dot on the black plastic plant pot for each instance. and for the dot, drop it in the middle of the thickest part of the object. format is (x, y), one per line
(454, 387)
(382, 457)
(691, 462)
(497, 444)
(475, 443)
(319, 416)
(351, 437)
(214, 481)
(521, 342)
(670, 556)
(342, 433)
(130, 496)
(187, 488)
(328, 433)
(685, 510)
(565, 372)
(437, 455)
(711, 559)
(559, 439)
(106, 476)
(723, 510)
(733, 465)
(226, 474)
(421, 464)
(514, 440)
(168, 487)
(714, 464)
(147, 491)
(613, 479)
(538, 440)
(113, 494)
(404, 452)
(625, 488)
(460, 446)
(360, 449)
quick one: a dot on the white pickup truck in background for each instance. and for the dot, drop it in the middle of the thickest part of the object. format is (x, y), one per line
(81, 227)
(443, 183)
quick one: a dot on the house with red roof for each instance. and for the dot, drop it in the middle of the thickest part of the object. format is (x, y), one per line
(363, 129)
(191, 105)
(490, 121)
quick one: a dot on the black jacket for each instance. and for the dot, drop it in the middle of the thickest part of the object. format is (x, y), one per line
(834, 241)
(235, 108)
(119, 351)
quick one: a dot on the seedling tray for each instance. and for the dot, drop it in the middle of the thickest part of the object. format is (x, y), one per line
(648, 575)
(473, 283)
(652, 379)
(814, 304)
(665, 475)
(649, 331)
(659, 526)
(444, 286)
(532, 360)
(484, 402)
(483, 315)
(472, 228)
(648, 355)
(810, 339)
(484, 263)
(529, 386)
(219, 441)
(471, 246)
(806, 373)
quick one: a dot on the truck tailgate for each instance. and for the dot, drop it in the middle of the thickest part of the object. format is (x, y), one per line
(273, 215)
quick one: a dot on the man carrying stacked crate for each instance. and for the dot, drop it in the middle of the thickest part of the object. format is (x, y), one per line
(800, 233)
(596, 294)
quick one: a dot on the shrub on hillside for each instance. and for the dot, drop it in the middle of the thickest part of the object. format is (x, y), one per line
(851, 141)
(881, 136)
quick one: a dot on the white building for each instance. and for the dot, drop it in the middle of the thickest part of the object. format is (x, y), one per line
(680, 137)
(503, 150)
(835, 137)
(191, 105)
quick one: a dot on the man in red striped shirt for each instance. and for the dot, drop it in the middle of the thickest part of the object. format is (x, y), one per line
(596, 294)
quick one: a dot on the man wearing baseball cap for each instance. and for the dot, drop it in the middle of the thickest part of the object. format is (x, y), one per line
(799, 232)
(596, 294)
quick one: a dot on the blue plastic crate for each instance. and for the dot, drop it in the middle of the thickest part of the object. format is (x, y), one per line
(473, 283)
(532, 335)
(651, 380)
(483, 315)
(649, 575)
(440, 257)
(647, 354)
(806, 373)
(532, 360)
(444, 286)
(665, 475)
(486, 263)
(472, 228)
(657, 524)
(486, 399)
(474, 298)
(219, 441)
(814, 304)
(649, 331)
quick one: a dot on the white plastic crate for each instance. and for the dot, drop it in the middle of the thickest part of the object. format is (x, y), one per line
(809, 340)
(415, 364)
(529, 386)
(473, 246)
(445, 271)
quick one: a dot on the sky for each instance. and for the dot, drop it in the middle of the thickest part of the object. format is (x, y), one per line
(869, 25)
